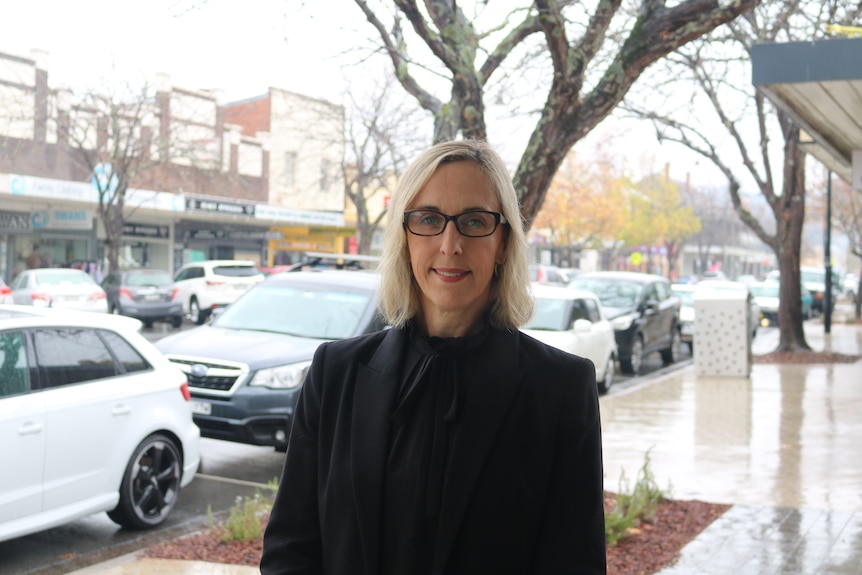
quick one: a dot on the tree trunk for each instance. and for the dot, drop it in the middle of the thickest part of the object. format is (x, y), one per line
(789, 216)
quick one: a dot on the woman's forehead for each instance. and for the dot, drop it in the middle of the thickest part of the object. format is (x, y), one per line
(460, 184)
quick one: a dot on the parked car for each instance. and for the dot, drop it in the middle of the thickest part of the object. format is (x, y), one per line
(850, 285)
(5, 293)
(685, 293)
(572, 320)
(547, 275)
(753, 307)
(814, 280)
(146, 294)
(93, 418)
(58, 288)
(766, 294)
(246, 367)
(203, 286)
(643, 310)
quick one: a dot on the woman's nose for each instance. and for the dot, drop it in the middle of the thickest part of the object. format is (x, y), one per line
(450, 239)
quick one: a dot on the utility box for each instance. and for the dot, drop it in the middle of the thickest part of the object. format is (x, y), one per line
(722, 332)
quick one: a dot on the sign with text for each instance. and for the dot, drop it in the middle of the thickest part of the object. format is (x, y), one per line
(219, 207)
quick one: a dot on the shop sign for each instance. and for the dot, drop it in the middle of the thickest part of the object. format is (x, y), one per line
(58, 219)
(228, 234)
(145, 231)
(83, 192)
(15, 222)
(219, 207)
(335, 219)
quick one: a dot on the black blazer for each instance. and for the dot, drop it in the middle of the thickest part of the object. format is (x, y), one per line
(524, 492)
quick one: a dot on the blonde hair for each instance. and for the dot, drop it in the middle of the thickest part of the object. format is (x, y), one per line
(398, 299)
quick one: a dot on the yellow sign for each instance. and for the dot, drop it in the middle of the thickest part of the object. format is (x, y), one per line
(636, 258)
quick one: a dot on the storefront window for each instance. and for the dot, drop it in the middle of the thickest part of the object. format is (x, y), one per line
(42, 252)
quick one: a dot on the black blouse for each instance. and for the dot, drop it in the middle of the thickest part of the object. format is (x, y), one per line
(435, 377)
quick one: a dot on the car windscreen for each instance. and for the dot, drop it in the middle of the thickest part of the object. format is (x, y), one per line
(149, 279)
(319, 312)
(550, 314)
(52, 277)
(236, 271)
(764, 291)
(686, 297)
(611, 292)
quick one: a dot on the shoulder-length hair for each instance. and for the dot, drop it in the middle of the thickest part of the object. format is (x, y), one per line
(511, 301)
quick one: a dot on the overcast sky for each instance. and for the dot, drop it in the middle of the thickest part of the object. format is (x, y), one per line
(241, 48)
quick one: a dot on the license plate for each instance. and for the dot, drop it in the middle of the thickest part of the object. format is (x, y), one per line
(202, 407)
(152, 297)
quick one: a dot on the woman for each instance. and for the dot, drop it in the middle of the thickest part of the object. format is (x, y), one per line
(451, 443)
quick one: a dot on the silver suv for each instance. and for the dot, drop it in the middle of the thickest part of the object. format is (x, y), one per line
(204, 286)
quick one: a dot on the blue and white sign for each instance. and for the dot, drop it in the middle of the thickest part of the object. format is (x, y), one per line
(61, 219)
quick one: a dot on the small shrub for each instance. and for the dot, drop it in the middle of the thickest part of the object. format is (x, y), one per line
(245, 521)
(632, 507)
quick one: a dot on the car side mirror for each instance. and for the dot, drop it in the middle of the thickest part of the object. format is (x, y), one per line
(583, 326)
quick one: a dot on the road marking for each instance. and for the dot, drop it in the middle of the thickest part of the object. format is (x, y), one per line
(233, 481)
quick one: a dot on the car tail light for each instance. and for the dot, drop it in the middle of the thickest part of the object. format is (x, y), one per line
(214, 282)
(123, 292)
(175, 293)
(40, 297)
(97, 295)
(5, 290)
(184, 389)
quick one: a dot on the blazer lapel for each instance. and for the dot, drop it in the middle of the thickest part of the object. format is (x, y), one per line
(488, 401)
(375, 392)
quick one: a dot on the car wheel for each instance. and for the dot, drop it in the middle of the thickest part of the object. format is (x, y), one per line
(608, 380)
(632, 365)
(671, 353)
(150, 484)
(197, 315)
(177, 321)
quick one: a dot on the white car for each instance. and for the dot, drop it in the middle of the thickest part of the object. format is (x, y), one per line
(685, 293)
(92, 418)
(573, 320)
(59, 288)
(204, 286)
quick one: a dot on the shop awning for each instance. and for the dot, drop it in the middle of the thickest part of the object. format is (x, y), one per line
(819, 85)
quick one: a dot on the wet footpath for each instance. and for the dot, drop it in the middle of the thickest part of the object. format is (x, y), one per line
(783, 447)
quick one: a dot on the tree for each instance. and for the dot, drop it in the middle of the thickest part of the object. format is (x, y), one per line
(585, 63)
(587, 205)
(847, 208)
(380, 138)
(664, 217)
(121, 134)
(717, 66)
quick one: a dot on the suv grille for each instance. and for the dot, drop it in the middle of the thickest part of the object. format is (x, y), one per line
(217, 378)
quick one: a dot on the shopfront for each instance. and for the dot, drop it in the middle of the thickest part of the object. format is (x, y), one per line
(56, 237)
(144, 245)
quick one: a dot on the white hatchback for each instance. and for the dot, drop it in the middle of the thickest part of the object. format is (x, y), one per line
(573, 320)
(58, 288)
(92, 418)
(204, 286)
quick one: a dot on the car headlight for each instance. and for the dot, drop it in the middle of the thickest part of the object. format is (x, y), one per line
(623, 322)
(281, 377)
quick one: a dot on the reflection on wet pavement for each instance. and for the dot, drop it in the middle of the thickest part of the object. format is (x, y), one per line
(784, 446)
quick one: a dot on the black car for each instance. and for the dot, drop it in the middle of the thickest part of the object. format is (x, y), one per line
(643, 310)
(146, 294)
(246, 367)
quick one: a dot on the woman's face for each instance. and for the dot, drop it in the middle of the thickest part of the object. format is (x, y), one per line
(454, 272)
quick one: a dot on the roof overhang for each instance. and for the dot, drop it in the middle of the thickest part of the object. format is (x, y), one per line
(819, 85)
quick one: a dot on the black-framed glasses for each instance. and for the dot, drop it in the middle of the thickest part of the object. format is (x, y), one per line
(473, 224)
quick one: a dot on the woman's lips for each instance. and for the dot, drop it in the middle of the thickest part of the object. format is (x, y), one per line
(450, 275)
